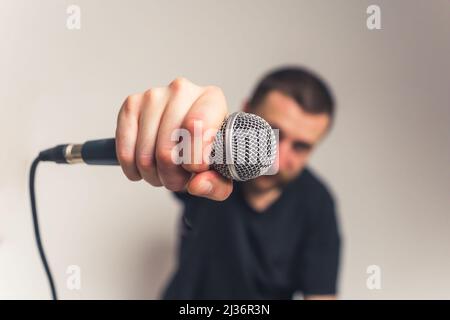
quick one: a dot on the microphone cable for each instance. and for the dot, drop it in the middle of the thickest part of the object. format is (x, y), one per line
(37, 234)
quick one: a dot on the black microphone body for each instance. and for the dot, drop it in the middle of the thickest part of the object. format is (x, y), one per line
(100, 152)
(94, 152)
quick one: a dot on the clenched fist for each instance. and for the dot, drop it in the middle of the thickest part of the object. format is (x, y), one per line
(144, 137)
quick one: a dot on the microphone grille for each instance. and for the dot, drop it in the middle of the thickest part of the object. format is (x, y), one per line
(244, 147)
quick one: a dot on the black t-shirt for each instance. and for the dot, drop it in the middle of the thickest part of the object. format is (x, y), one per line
(229, 251)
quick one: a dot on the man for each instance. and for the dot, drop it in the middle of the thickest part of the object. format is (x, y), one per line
(268, 238)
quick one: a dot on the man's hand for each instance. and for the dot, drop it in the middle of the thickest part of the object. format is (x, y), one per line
(144, 143)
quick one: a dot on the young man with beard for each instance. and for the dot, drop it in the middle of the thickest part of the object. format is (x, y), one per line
(268, 238)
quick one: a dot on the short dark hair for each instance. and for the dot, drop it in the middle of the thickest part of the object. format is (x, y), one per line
(305, 87)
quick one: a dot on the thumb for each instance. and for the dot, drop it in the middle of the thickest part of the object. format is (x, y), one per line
(210, 184)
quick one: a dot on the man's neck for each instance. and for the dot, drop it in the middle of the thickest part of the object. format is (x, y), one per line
(260, 201)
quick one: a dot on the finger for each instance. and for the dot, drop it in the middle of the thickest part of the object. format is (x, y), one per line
(182, 95)
(211, 185)
(150, 117)
(126, 134)
(203, 120)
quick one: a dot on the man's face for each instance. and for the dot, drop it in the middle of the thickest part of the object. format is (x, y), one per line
(299, 133)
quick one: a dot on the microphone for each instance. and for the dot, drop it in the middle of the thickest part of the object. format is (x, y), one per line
(244, 148)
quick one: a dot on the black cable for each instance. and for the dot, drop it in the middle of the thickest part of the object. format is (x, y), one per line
(36, 227)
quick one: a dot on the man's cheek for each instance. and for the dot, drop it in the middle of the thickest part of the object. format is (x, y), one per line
(297, 165)
(302, 160)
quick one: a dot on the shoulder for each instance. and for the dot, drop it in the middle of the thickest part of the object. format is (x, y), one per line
(322, 216)
(319, 201)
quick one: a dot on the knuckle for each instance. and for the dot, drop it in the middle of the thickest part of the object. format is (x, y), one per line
(132, 99)
(149, 94)
(130, 105)
(215, 90)
(145, 161)
(164, 157)
(178, 84)
(124, 157)
(192, 121)
(153, 94)
(217, 95)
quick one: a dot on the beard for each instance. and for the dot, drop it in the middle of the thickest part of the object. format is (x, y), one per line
(267, 183)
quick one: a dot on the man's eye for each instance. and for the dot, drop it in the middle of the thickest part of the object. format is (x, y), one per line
(301, 147)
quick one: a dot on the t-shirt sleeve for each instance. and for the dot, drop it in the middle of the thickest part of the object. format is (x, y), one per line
(181, 195)
(317, 266)
(188, 202)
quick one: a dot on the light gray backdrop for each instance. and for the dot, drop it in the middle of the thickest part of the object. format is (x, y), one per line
(387, 158)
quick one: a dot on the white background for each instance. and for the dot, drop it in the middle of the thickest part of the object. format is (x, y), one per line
(387, 159)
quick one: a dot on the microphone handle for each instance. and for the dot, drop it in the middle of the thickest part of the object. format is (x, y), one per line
(100, 152)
